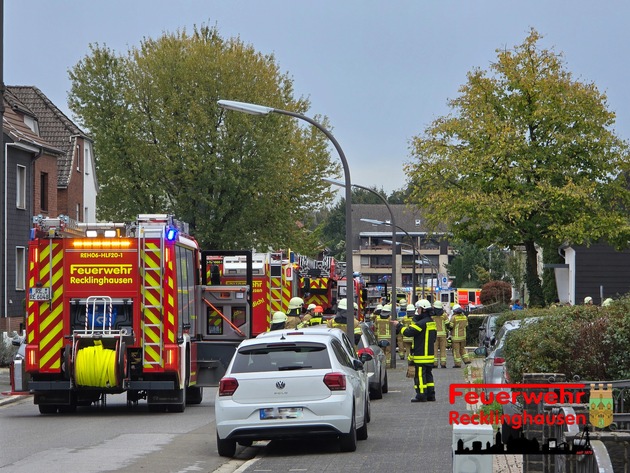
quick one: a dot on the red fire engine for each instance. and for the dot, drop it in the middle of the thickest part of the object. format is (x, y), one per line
(115, 308)
(318, 281)
(273, 282)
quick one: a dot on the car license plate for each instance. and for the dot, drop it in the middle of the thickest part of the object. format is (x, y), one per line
(280, 413)
(39, 294)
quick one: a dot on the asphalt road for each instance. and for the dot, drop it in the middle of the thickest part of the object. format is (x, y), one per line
(403, 436)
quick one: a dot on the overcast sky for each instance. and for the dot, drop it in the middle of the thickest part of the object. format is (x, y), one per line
(380, 70)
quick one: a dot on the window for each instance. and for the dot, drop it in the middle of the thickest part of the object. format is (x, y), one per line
(86, 155)
(20, 199)
(20, 268)
(43, 189)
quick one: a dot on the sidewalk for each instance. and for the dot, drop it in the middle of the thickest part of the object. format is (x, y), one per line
(6, 396)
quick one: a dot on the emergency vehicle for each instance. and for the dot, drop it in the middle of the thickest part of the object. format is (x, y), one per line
(469, 297)
(318, 281)
(274, 282)
(114, 307)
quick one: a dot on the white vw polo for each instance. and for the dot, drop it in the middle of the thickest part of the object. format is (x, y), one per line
(287, 387)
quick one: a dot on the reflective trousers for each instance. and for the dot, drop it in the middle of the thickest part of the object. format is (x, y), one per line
(423, 382)
(440, 351)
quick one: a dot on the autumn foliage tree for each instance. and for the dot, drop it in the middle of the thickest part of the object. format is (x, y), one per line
(163, 145)
(527, 158)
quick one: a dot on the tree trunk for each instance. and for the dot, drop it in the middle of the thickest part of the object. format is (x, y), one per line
(532, 280)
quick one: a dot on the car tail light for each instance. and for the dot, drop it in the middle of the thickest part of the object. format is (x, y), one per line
(499, 361)
(335, 381)
(367, 350)
(227, 386)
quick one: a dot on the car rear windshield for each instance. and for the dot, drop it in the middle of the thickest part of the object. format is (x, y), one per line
(281, 357)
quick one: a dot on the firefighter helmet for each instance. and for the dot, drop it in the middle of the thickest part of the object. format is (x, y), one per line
(607, 302)
(379, 307)
(588, 300)
(411, 308)
(387, 309)
(296, 303)
(311, 306)
(319, 309)
(278, 317)
(437, 305)
(342, 304)
(423, 304)
(355, 305)
(457, 309)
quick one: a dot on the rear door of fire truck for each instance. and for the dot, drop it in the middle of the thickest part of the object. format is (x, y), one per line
(223, 317)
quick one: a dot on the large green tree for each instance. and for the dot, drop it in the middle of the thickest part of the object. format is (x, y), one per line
(163, 145)
(527, 157)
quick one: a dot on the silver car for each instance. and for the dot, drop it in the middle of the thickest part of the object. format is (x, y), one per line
(282, 387)
(376, 367)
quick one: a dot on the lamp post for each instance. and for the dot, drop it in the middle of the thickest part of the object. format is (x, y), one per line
(391, 213)
(413, 267)
(254, 109)
(423, 261)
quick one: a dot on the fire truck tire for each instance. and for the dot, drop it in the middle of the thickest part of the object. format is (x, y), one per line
(194, 395)
(47, 409)
(157, 407)
(67, 366)
(181, 407)
(121, 363)
(225, 447)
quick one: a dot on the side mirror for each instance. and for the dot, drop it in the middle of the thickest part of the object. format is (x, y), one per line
(481, 351)
(357, 365)
(16, 342)
(384, 343)
(365, 357)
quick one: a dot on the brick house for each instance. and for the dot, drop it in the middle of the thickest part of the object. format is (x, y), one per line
(50, 171)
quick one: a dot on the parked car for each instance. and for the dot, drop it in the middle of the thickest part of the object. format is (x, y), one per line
(494, 370)
(291, 386)
(487, 330)
(376, 367)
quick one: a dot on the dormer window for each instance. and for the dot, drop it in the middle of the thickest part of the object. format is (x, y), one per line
(32, 124)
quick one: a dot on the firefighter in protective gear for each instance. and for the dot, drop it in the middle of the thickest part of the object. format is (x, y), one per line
(440, 318)
(403, 351)
(278, 320)
(318, 316)
(341, 319)
(422, 331)
(377, 312)
(459, 322)
(294, 312)
(307, 316)
(408, 340)
(382, 330)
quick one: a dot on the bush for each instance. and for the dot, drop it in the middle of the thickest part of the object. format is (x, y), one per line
(496, 292)
(590, 342)
(7, 351)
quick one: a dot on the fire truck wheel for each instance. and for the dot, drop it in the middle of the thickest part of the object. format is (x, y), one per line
(194, 395)
(180, 407)
(47, 409)
(157, 407)
(121, 364)
(67, 366)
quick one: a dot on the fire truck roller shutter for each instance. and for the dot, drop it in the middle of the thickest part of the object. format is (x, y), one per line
(97, 366)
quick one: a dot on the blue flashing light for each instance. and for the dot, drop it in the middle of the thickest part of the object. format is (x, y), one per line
(171, 234)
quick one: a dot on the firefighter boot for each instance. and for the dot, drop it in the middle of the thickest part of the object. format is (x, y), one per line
(430, 393)
(420, 398)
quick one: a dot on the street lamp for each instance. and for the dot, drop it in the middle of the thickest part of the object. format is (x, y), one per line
(254, 109)
(413, 266)
(391, 213)
(413, 245)
(423, 262)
